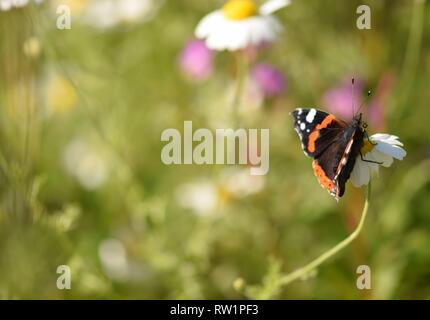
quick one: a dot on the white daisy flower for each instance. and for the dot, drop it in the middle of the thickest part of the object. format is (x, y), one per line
(381, 149)
(202, 197)
(110, 13)
(240, 24)
(86, 163)
(240, 183)
(113, 258)
(6, 5)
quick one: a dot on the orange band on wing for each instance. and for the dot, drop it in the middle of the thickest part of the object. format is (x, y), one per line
(324, 181)
(315, 134)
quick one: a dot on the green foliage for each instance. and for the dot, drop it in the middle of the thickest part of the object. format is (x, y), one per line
(116, 214)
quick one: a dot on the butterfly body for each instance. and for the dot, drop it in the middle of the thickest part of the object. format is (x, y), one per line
(332, 143)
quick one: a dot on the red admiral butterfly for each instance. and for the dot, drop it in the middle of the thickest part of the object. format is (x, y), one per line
(334, 145)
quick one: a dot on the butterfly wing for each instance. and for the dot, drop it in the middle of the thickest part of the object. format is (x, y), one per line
(317, 130)
(330, 141)
(350, 146)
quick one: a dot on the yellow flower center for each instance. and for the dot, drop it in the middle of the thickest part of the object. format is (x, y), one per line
(367, 147)
(239, 9)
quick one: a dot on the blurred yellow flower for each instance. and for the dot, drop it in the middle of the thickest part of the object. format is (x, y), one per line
(61, 95)
(32, 47)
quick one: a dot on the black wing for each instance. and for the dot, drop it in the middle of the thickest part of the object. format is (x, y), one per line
(317, 130)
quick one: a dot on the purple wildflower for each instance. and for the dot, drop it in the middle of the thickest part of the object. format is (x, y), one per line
(271, 81)
(196, 60)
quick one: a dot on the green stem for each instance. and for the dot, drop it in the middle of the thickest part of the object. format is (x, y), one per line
(302, 272)
(414, 40)
(240, 81)
(411, 60)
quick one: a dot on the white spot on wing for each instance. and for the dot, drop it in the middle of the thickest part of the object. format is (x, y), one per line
(311, 115)
(348, 147)
(302, 126)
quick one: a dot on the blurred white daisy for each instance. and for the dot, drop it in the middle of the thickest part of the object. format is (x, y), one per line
(86, 163)
(380, 150)
(241, 24)
(109, 13)
(202, 196)
(118, 265)
(6, 5)
(240, 183)
(113, 258)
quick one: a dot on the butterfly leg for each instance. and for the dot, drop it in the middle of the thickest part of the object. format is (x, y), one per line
(368, 139)
(371, 161)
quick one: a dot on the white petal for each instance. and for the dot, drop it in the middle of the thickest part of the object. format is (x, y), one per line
(391, 150)
(208, 24)
(375, 155)
(382, 136)
(360, 175)
(381, 157)
(5, 4)
(273, 5)
(375, 169)
(262, 29)
(273, 23)
(258, 34)
(389, 144)
(387, 147)
(371, 156)
(386, 138)
(235, 35)
(231, 35)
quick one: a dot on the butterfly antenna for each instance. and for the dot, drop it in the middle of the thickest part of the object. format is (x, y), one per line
(353, 98)
(369, 93)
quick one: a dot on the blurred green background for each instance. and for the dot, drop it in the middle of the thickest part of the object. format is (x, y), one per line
(82, 184)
